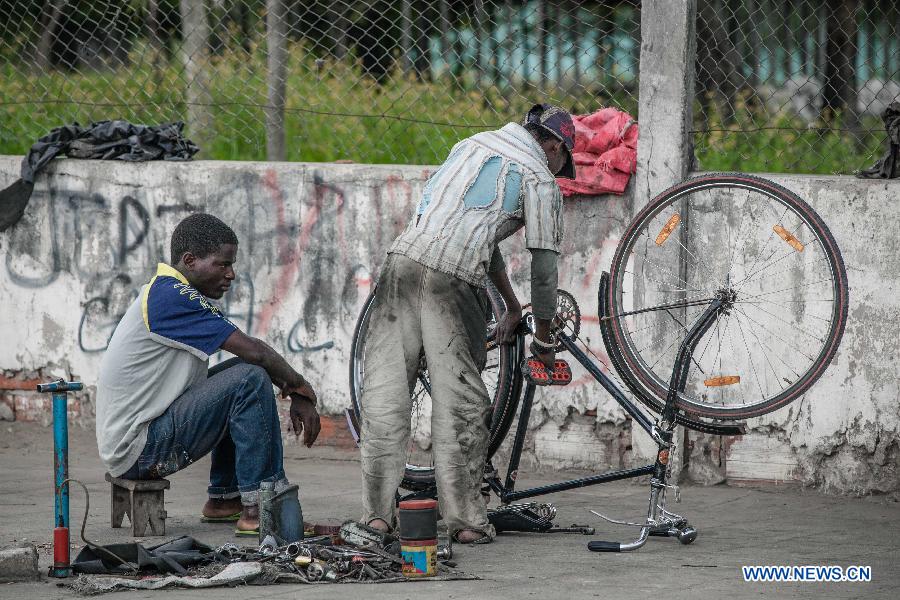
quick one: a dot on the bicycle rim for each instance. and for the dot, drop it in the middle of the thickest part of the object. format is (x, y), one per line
(498, 378)
(761, 247)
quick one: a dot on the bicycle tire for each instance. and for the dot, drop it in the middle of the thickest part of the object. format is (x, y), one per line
(503, 404)
(646, 380)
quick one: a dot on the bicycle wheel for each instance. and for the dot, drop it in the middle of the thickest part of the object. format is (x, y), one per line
(498, 376)
(761, 249)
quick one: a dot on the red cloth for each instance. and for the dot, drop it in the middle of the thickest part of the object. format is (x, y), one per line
(605, 153)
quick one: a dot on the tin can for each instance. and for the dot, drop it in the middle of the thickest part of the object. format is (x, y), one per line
(419, 557)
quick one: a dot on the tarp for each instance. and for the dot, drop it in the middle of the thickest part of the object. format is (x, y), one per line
(106, 140)
(605, 153)
(888, 166)
(173, 556)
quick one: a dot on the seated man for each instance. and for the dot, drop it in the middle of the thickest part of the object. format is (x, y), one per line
(158, 407)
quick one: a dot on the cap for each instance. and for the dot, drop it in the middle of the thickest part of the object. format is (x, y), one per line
(559, 123)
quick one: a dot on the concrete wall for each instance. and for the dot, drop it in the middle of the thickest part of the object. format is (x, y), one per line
(312, 238)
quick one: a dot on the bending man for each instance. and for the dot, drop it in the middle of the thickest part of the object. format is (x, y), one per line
(431, 299)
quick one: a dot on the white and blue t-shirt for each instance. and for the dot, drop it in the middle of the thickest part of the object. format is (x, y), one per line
(159, 349)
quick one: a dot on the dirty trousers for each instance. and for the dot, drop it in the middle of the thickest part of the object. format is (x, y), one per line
(416, 310)
(231, 414)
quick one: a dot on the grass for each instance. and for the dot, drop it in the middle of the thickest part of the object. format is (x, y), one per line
(333, 113)
(755, 141)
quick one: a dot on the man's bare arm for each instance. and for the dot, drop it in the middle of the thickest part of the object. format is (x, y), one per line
(257, 352)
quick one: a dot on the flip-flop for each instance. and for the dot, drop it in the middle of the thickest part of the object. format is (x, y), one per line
(247, 532)
(226, 519)
(484, 539)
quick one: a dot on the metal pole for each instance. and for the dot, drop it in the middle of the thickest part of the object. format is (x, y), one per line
(276, 63)
(60, 459)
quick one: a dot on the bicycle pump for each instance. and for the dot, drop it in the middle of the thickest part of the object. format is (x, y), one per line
(60, 389)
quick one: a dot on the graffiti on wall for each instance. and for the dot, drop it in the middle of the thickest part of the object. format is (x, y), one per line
(297, 266)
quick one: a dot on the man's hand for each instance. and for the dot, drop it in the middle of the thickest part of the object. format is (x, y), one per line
(305, 417)
(303, 389)
(505, 333)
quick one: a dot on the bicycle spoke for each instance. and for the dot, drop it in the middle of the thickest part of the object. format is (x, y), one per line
(762, 394)
(738, 285)
(740, 229)
(672, 291)
(798, 328)
(646, 258)
(784, 305)
(678, 329)
(766, 247)
(774, 350)
(696, 258)
(667, 333)
(797, 349)
(765, 354)
(795, 287)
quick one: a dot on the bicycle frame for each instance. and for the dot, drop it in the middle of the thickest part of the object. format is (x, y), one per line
(659, 521)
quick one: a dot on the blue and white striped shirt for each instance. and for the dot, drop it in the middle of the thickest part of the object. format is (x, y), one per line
(490, 186)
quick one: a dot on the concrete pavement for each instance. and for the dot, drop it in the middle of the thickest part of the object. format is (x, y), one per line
(738, 526)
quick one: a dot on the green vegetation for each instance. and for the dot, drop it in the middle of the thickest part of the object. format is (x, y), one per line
(757, 141)
(334, 113)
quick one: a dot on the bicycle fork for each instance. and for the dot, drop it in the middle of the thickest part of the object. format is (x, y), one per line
(661, 522)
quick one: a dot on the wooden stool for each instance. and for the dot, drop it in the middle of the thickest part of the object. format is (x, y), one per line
(142, 501)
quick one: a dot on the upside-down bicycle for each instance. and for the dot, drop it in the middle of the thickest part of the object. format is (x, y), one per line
(726, 299)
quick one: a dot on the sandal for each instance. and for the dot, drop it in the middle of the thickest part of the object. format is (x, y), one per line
(247, 532)
(484, 539)
(226, 519)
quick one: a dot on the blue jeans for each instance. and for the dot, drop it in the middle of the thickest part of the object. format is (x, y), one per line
(231, 414)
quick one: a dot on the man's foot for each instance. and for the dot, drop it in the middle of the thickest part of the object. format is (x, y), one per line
(219, 510)
(248, 524)
(379, 524)
(471, 536)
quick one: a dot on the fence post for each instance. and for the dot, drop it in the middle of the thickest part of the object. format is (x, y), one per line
(195, 54)
(665, 95)
(665, 149)
(276, 56)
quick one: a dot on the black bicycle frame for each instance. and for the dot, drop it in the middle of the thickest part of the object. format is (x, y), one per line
(661, 432)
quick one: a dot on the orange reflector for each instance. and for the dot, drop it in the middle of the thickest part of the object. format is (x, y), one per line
(667, 230)
(789, 238)
(723, 380)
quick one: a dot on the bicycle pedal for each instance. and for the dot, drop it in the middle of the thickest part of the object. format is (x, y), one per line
(536, 372)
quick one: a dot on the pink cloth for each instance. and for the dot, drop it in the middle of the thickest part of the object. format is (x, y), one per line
(605, 153)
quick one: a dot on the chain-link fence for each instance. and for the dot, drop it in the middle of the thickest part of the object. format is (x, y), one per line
(319, 80)
(782, 85)
(794, 85)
